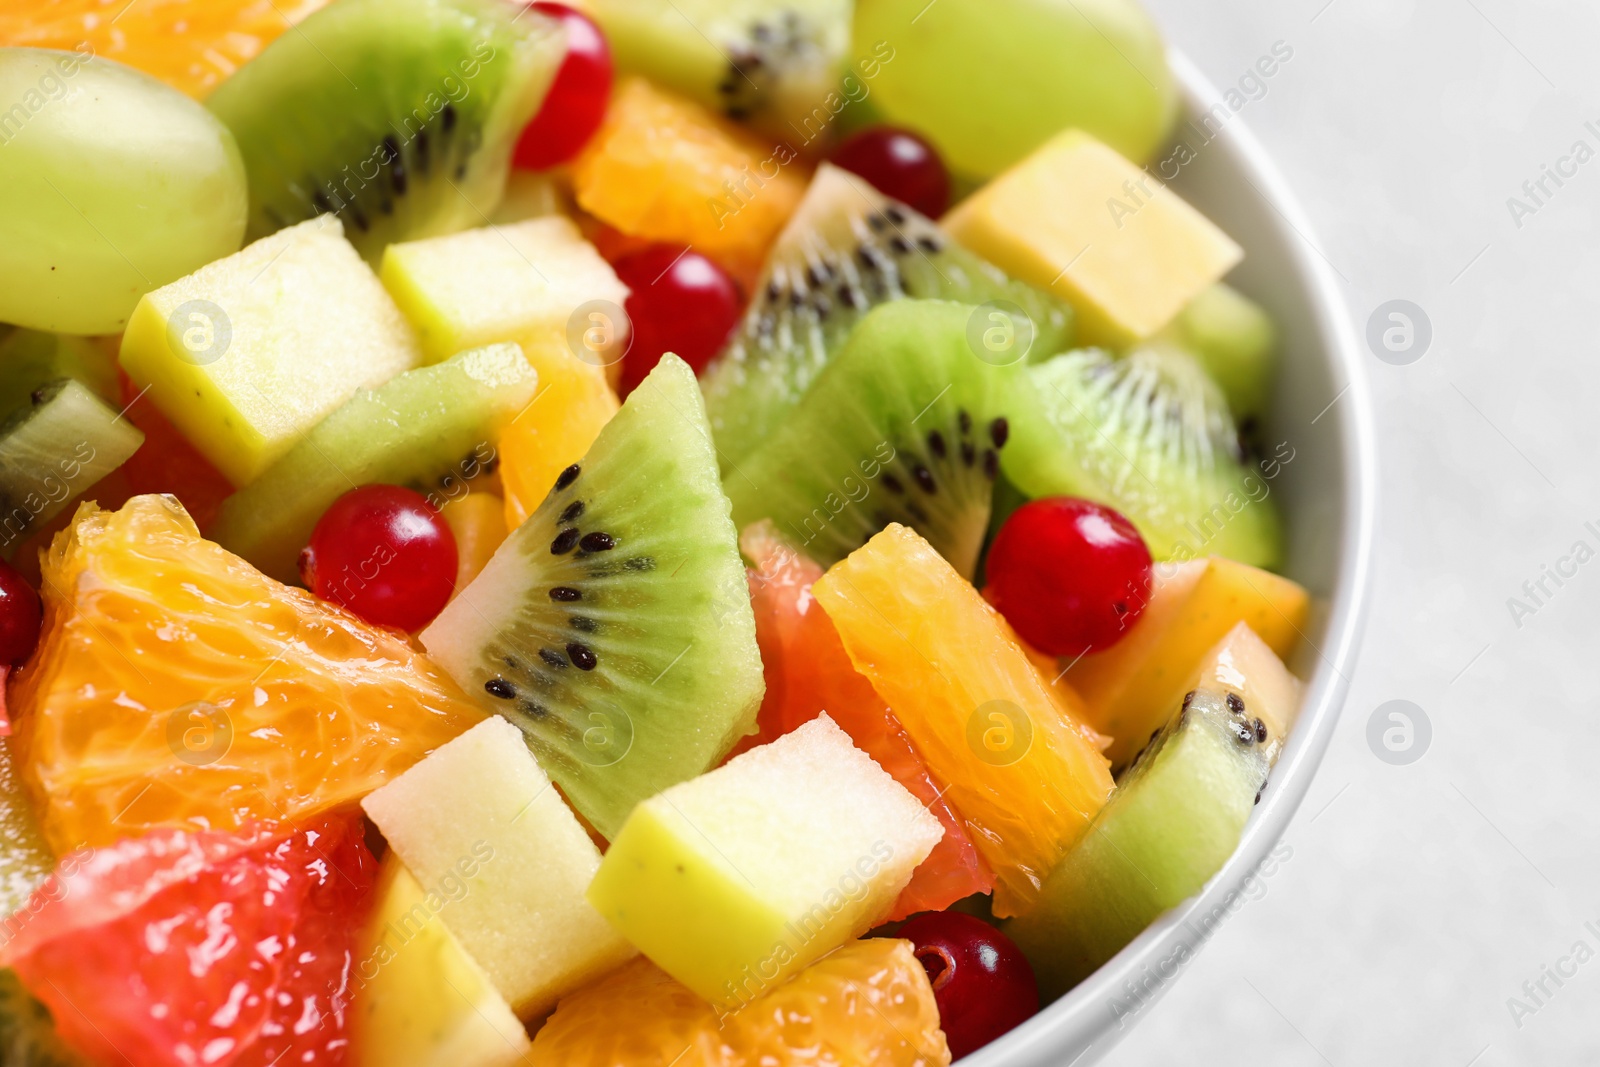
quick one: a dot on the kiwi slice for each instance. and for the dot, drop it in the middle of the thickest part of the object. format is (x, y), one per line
(847, 249)
(1149, 435)
(399, 116)
(1174, 820)
(614, 626)
(432, 429)
(773, 63)
(1234, 338)
(907, 424)
(51, 451)
(30, 358)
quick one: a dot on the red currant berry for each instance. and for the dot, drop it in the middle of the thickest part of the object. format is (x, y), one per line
(900, 164)
(982, 983)
(385, 553)
(681, 302)
(576, 100)
(19, 617)
(1069, 575)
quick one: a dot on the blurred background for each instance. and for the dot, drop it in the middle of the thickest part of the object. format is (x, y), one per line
(1439, 905)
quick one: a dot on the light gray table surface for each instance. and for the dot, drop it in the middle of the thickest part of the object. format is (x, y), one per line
(1419, 899)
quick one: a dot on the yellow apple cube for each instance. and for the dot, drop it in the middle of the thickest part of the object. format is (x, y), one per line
(420, 1000)
(1132, 687)
(523, 282)
(733, 881)
(247, 354)
(1079, 220)
(480, 810)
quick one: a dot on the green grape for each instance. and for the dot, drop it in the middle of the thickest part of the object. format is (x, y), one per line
(989, 82)
(113, 185)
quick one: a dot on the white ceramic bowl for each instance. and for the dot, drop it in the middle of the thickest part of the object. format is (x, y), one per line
(1326, 495)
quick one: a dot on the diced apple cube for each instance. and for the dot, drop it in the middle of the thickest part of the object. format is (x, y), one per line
(1132, 688)
(520, 283)
(733, 881)
(247, 354)
(1078, 219)
(421, 1001)
(523, 916)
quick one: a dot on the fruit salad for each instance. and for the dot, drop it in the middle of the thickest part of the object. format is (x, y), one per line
(628, 533)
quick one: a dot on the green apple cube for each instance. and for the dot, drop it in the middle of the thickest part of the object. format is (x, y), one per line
(247, 354)
(733, 881)
(421, 1001)
(522, 282)
(479, 810)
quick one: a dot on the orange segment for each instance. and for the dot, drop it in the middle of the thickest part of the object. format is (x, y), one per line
(176, 686)
(478, 521)
(666, 169)
(808, 672)
(191, 45)
(1026, 777)
(556, 430)
(867, 1005)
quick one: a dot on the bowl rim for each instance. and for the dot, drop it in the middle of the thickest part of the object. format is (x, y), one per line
(1082, 1020)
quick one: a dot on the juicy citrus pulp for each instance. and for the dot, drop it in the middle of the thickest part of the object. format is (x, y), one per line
(192, 45)
(868, 1004)
(657, 169)
(177, 686)
(573, 403)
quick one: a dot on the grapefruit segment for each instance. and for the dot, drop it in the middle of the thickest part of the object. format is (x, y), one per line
(868, 1005)
(167, 462)
(808, 672)
(176, 686)
(1024, 775)
(225, 949)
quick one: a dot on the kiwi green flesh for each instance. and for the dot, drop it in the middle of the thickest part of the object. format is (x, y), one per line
(432, 429)
(905, 425)
(28, 1036)
(772, 63)
(1003, 504)
(847, 249)
(1149, 435)
(1173, 821)
(399, 116)
(51, 451)
(614, 626)
(30, 358)
(1236, 342)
